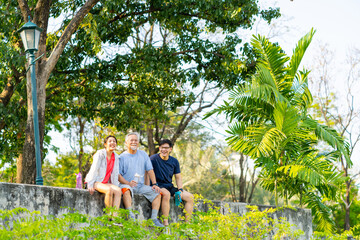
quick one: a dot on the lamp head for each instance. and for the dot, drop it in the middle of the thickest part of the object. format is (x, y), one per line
(30, 36)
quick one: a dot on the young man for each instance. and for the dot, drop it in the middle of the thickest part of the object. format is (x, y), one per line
(133, 164)
(165, 167)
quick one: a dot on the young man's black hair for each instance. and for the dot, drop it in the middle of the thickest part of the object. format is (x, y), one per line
(164, 141)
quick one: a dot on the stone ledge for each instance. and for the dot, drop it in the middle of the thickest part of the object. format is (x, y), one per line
(57, 201)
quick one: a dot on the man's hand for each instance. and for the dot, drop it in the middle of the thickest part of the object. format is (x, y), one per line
(132, 183)
(91, 190)
(156, 188)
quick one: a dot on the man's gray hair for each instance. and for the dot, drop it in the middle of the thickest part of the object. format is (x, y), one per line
(132, 133)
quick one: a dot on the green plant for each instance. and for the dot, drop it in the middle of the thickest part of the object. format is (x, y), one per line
(255, 224)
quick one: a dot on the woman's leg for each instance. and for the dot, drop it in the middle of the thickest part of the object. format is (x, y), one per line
(116, 196)
(112, 194)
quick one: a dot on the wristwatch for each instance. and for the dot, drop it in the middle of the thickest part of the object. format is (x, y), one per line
(156, 184)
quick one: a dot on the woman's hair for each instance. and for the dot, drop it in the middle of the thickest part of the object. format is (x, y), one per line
(110, 136)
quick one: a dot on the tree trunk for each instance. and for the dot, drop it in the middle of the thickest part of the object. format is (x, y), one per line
(242, 179)
(81, 144)
(44, 66)
(347, 206)
(253, 185)
(151, 143)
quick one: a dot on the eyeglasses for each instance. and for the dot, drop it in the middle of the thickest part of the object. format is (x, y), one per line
(165, 148)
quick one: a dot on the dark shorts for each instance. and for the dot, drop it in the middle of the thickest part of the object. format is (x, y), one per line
(171, 189)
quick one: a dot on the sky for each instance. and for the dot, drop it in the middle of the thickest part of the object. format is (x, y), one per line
(336, 24)
(335, 21)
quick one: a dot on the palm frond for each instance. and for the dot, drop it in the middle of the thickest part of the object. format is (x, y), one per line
(330, 136)
(298, 53)
(320, 211)
(272, 58)
(286, 118)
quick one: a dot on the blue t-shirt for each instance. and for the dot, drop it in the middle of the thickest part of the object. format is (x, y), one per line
(131, 164)
(165, 170)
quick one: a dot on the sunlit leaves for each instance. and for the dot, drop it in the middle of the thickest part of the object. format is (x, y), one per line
(270, 123)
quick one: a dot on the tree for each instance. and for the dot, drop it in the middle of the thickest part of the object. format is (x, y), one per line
(244, 182)
(41, 11)
(272, 126)
(122, 88)
(344, 119)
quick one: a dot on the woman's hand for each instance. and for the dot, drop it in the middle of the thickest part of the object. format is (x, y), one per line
(91, 190)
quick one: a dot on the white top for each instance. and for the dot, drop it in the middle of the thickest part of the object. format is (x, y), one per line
(98, 169)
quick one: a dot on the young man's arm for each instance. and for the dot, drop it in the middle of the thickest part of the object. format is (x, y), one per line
(178, 180)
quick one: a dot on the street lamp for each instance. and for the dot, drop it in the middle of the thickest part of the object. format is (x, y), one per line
(30, 35)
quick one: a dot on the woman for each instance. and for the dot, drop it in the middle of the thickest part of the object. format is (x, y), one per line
(103, 174)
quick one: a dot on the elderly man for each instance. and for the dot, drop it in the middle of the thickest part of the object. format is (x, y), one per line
(133, 164)
(165, 167)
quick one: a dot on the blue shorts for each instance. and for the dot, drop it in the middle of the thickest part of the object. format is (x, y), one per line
(142, 189)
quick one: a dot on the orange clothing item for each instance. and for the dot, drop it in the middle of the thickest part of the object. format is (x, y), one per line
(125, 189)
(109, 168)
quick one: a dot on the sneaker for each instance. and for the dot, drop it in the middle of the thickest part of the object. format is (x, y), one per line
(157, 223)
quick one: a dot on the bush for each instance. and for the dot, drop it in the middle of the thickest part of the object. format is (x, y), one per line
(20, 224)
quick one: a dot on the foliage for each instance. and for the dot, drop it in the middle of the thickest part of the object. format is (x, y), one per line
(201, 168)
(128, 62)
(271, 124)
(204, 225)
(341, 113)
(339, 214)
(343, 236)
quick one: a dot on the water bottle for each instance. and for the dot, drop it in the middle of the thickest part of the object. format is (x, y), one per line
(78, 180)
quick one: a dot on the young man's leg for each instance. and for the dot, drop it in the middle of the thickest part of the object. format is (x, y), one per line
(165, 205)
(189, 204)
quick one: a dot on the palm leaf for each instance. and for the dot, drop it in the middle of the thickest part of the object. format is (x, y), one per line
(272, 58)
(330, 136)
(320, 211)
(298, 53)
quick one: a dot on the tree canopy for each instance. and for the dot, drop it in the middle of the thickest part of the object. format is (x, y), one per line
(127, 62)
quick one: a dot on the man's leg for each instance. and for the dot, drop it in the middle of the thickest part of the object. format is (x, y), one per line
(165, 205)
(189, 204)
(155, 199)
(156, 203)
(128, 201)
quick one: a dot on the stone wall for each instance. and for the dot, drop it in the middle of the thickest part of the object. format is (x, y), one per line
(57, 201)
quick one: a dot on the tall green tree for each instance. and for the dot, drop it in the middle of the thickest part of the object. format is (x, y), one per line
(15, 91)
(129, 61)
(271, 124)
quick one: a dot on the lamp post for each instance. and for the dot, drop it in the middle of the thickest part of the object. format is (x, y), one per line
(30, 35)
